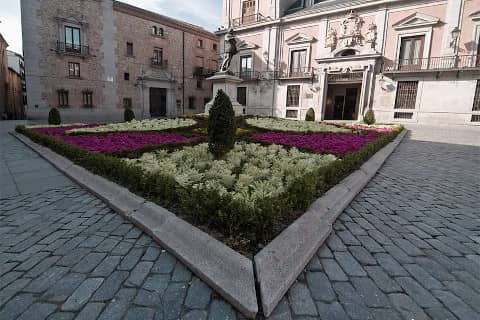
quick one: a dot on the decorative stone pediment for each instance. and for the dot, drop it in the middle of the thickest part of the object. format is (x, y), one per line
(416, 20)
(300, 38)
(245, 45)
(475, 16)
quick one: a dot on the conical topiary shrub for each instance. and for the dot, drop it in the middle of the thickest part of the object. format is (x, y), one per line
(369, 117)
(310, 116)
(221, 126)
(128, 115)
(54, 117)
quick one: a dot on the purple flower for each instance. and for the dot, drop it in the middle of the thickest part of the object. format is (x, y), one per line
(115, 142)
(338, 144)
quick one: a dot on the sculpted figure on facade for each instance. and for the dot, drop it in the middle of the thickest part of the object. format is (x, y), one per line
(230, 51)
(372, 35)
(331, 41)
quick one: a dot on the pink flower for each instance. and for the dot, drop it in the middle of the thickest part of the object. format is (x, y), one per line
(338, 144)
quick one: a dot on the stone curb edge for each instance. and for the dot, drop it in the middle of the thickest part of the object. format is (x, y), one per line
(229, 273)
(280, 263)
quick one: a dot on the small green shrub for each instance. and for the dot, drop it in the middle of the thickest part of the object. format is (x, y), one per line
(128, 115)
(369, 117)
(310, 116)
(221, 126)
(54, 118)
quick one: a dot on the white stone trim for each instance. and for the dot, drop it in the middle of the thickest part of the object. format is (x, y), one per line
(299, 38)
(409, 22)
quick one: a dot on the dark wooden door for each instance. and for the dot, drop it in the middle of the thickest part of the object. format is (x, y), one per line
(242, 95)
(350, 104)
(158, 102)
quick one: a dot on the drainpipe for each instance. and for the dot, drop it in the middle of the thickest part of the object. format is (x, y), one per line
(183, 72)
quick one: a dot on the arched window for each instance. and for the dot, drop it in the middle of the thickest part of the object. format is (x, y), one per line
(348, 52)
(160, 32)
(154, 30)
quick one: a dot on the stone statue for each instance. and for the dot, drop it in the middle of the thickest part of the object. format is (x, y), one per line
(230, 51)
(331, 41)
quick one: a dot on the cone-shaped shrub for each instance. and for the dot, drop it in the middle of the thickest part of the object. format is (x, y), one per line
(221, 126)
(54, 117)
(128, 115)
(310, 116)
(369, 117)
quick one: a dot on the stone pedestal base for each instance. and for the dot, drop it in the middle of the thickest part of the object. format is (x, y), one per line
(228, 83)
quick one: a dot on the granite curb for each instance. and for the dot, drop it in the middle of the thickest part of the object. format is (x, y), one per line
(223, 269)
(280, 263)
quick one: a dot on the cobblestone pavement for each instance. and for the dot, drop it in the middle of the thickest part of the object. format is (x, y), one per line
(407, 248)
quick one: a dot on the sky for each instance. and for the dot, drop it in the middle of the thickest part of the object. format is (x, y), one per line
(205, 13)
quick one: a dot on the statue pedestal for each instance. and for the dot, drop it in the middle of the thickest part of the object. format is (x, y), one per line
(228, 83)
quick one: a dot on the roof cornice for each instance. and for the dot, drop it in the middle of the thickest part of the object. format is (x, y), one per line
(161, 19)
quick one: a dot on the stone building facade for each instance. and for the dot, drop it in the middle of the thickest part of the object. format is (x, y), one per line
(15, 100)
(3, 76)
(93, 58)
(408, 60)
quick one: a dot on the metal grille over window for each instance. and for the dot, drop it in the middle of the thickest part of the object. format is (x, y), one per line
(293, 96)
(406, 95)
(476, 99)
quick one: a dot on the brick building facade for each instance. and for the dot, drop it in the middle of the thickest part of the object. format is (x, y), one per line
(93, 58)
(3, 75)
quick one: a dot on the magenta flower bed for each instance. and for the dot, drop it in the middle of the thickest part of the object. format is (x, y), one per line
(116, 142)
(60, 131)
(338, 144)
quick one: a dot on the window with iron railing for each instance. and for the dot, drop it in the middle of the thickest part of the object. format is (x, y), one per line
(62, 98)
(157, 56)
(87, 98)
(406, 95)
(73, 42)
(298, 63)
(74, 70)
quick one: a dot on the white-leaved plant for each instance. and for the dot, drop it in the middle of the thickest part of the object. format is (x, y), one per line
(249, 173)
(138, 126)
(278, 124)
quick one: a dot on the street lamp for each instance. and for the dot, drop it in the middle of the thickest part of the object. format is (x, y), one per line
(455, 35)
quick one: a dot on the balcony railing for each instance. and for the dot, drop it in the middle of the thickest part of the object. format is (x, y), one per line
(297, 73)
(250, 19)
(248, 75)
(447, 63)
(72, 49)
(158, 63)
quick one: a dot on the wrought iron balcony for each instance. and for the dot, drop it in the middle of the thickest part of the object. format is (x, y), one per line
(248, 75)
(159, 63)
(72, 49)
(297, 73)
(250, 19)
(432, 64)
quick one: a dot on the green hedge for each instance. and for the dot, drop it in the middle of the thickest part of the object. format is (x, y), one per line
(231, 218)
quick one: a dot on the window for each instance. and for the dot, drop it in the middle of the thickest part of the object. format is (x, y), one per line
(246, 64)
(157, 31)
(215, 47)
(293, 96)
(191, 102)
(62, 98)
(129, 49)
(88, 98)
(199, 84)
(403, 115)
(126, 76)
(127, 103)
(158, 56)
(406, 95)
(72, 39)
(200, 43)
(292, 114)
(74, 70)
(411, 53)
(298, 62)
(179, 103)
(476, 99)
(248, 11)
